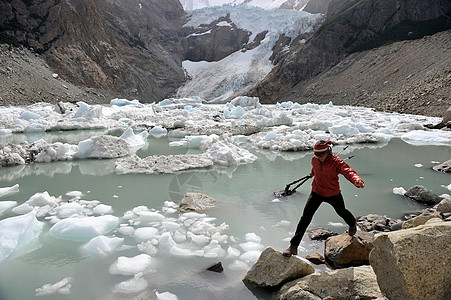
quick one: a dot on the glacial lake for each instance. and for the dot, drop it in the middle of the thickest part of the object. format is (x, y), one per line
(245, 203)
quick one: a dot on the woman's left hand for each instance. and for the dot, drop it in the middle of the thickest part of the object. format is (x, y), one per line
(359, 184)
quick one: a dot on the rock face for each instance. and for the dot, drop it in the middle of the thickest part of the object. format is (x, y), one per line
(414, 264)
(215, 41)
(196, 202)
(350, 283)
(130, 47)
(425, 216)
(420, 194)
(272, 269)
(352, 26)
(344, 251)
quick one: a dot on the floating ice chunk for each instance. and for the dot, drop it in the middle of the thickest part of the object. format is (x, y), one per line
(67, 210)
(88, 112)
(165, 296)
(250, 256)
(214, 250)
(179, 251)
(102, 209)
(35, 127)
(158, 131)
(4, 131)
(148, 248)
(127, 230)
(102, 245)
(399, 191)
(198, 239)
(83, 229)
(169, 225)
(276, 200)
(245, 101)
(135, 141)
(227, 154)
(19, 234)
(343, 129)
(421, 137)
(6, 191)
(336, 224)
(252, 237)
(104, 146)
(238, 265)
(145, 233)
(123, 102)
(42, 199)
(61, 287)
(418, 165)
(131, 265)
(166, 241)
(135, 285)
(233, 252)
(194, 142)
(4, 205)
(251, 246)
(74, 194)
(28, 115)
(146, 217)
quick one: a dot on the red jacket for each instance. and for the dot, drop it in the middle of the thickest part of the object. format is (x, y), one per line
(325, 182)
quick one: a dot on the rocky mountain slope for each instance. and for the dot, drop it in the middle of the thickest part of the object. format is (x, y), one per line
(350, 27)
(129, 47)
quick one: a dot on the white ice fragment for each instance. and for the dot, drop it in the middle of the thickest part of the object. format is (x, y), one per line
(179, 251)
(418, 165)
(251, 246)
(250, 256)
(165, 296)
(166, 241)
(275, 200)
(61, 287)
(102, 209)
(131, 265)
(19, 234)
(6, 191)
(399, 191)
(67, 210)
(336, 224)
(146, 217)
(83, 229)
(145, 233)
(135, 285)
(136, 141)
(4, 205)
(148, 248)
(252, 237)
(198, 239)
(123, 102)
(238, 265)
(28, 115)
(102, 245)
(233, 252)
(74, 194)
(169, 225)
(158, 131)
(424, 138)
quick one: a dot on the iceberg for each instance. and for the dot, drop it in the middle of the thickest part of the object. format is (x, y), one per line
(19, 234)
(83, 229)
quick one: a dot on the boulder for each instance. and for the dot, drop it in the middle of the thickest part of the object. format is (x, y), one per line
(320, 234)
(316, 258)
(420, 194)
(343, 251)
(443, 167)
(272, 269)
(414, 263)
(444, 206)
(350, 283)
(421, 219)
(375, 223)
(196, 202)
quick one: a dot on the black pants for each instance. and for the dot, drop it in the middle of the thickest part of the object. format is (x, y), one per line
(312, 205)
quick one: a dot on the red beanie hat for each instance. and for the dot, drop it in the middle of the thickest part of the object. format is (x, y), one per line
(322, 147)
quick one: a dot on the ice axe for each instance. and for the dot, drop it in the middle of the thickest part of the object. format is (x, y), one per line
(287, 191)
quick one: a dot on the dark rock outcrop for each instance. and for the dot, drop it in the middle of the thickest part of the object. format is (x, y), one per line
(130, 47)
(420, 194)
(353, 26)
(214, 41)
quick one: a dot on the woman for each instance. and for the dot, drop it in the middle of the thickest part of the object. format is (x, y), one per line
(325, 188)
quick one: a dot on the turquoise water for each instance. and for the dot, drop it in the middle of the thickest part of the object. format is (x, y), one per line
(245, 202)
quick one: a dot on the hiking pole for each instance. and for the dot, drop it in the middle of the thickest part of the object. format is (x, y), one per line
(287, 191)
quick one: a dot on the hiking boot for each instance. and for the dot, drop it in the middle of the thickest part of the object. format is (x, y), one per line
(290, 251)
(352, 229)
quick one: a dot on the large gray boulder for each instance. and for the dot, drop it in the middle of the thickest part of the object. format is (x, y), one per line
(272, 269)
(350, 283)
(414, 263)
(420, 194)
(425, 216)
(444, 206)
(343, 251)
(443, 167)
